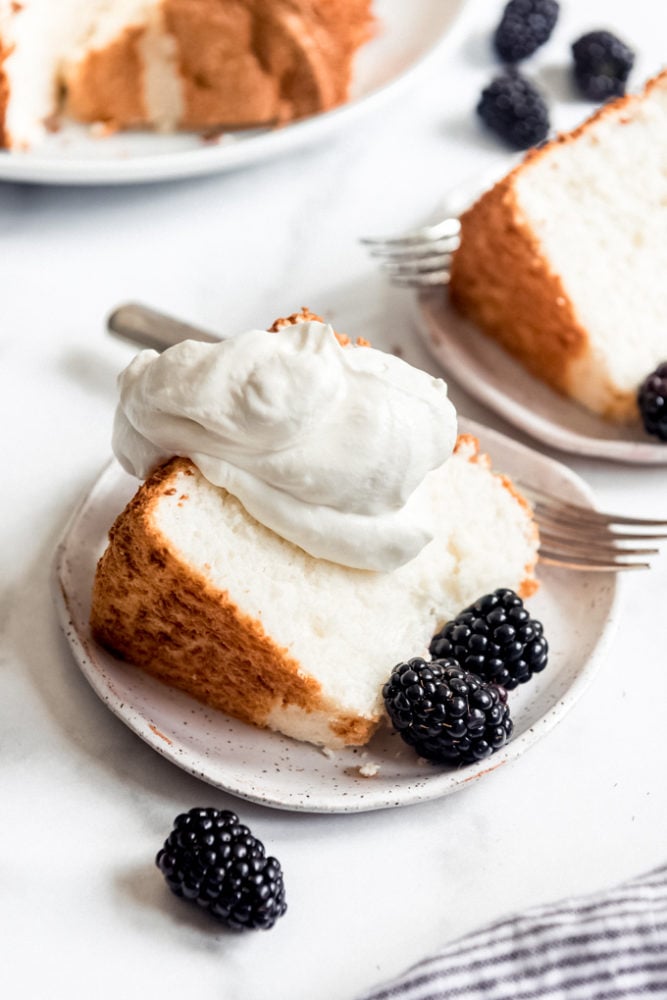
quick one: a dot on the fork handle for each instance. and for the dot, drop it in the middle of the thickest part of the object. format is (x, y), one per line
(150, 328)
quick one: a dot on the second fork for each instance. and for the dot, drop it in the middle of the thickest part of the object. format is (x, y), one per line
(419, 258)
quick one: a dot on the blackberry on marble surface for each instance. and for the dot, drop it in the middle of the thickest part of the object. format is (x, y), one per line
(524, 26)
(602, 64)
(212, 859)
(513, 108)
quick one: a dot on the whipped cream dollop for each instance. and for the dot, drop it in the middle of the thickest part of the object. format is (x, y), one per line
(326, 445)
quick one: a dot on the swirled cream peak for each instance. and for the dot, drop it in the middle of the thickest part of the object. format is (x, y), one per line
(326, 445)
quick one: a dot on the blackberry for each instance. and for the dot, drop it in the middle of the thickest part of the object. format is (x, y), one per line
(602, 64)
(524, 26)
(448, 715)
(212, 859)
(652, 400)
(513, 108)
(495, 638)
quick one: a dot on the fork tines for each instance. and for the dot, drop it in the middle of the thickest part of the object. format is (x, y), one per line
(555, 507)
(580, 537)
(591, 555)
(417, 275)
(449, 228)
(422, 257)
(418, 258)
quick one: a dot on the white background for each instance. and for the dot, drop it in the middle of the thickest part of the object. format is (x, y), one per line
(84, 804)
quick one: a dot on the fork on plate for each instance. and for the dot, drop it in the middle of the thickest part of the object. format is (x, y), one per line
(583, 538)
(572, 536)
(420, 258)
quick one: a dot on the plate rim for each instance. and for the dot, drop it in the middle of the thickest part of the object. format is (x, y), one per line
(433, 786)
(203, 160)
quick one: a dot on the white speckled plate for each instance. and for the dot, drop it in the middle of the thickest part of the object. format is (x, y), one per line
(495, 378)
(577, 609)
(409, 35)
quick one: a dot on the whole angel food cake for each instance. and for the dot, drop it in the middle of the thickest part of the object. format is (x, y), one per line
(173, 64)
(308, 518)
(563, 261)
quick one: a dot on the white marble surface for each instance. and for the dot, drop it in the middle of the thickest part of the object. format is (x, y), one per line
(84, 804)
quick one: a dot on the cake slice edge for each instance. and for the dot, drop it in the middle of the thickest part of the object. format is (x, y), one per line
(163, 614)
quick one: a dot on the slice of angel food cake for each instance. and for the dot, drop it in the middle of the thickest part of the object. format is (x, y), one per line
(562, 261)
(308, 517)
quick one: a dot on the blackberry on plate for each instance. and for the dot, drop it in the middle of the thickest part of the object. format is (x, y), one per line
(652, 400)
(602, 64)
(524, 27)
(495, 638)
(212, 859)
(513, 108)
(448, 715)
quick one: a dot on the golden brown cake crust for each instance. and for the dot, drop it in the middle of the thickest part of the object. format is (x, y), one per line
(4, 96)
(150, 608)
(264, 61)
(503, 283)
(241, 63)
(107, 85)
(306, 316)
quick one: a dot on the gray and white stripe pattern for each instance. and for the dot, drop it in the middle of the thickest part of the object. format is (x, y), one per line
(608, 946)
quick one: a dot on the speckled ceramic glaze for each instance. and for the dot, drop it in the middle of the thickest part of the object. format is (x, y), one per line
(577, 609)
(491, 375)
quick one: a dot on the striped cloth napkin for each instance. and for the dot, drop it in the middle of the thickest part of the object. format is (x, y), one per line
(608, 946)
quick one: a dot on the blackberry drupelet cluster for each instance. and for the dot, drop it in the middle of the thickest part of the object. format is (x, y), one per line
(525, 26)
(447, 715)
(212, 859)
(495, 638)
(652, 401)
(602, 64)
(513, 108)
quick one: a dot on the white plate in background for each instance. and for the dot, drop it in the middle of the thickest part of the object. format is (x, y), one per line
(410, 33)
(578, 611)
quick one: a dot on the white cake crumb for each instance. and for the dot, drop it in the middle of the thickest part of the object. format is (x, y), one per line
(368, 770)
(328, 752)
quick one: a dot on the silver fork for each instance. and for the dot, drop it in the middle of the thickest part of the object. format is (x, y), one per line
(571, 535)
(583, 538)
(419, 258)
